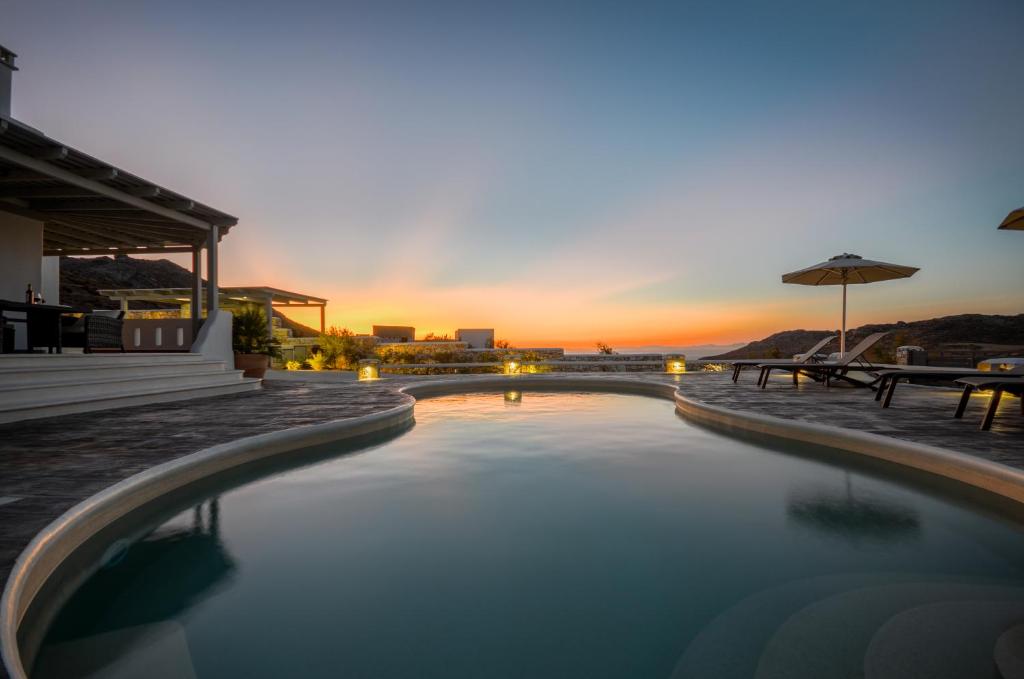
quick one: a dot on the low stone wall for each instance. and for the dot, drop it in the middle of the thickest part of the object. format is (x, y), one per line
(612, 358)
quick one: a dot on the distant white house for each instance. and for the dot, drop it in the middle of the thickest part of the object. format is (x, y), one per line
(476, 338)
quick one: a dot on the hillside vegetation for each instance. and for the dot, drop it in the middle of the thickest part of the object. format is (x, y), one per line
(932, 334)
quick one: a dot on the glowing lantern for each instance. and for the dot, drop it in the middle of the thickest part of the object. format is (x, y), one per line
(513, 398)
(512, 365)
(675, 364)
(368, 369)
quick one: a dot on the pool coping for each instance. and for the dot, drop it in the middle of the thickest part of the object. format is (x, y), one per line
(62, 537)
(992, 477)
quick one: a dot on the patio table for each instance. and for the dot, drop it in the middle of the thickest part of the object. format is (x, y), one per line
(42, 322)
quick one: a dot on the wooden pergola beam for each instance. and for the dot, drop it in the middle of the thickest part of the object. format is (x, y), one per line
(71, 251)
(54, 172)
(83, 206)
(118, 238)
(44, 192)
(125, 229)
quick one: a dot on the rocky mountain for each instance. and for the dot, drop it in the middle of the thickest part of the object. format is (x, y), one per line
(935, 334)
(80, 279)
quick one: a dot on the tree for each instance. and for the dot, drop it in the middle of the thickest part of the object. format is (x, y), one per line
(502, 344)
(342, 349)
(603, 348)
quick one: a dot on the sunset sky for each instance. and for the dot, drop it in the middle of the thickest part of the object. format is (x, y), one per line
(640, 174)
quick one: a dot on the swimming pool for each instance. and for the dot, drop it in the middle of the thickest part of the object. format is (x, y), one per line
(555, 535)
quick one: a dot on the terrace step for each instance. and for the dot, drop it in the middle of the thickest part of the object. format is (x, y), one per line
(55, 375)
(140, 398)
(111, 385)
(70, 358)
(33, 386)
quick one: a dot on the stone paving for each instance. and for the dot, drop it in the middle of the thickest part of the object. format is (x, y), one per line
(48, 465)
(918, 413)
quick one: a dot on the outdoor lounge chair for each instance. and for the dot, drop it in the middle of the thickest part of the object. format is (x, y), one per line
(829, 370)
(809, 356)
(888, 379)
(98, 329)
(998, 385)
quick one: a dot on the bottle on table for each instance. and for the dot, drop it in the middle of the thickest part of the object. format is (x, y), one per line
(30, 297)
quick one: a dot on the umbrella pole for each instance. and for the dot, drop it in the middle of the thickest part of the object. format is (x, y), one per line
(842, 338)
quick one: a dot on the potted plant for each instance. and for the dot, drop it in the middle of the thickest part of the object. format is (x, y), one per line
(253, 348)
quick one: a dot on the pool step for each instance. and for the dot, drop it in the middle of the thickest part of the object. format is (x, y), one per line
(945, 640)
(863, 627)
(730, 646)
(155, 651)
(809, 628)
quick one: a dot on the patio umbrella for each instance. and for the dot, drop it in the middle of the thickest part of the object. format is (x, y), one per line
(847, 269)
(1014, 220)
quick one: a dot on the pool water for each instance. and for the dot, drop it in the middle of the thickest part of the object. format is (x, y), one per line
(555, 535)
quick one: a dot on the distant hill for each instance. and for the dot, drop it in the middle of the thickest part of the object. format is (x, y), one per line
(81, 278)
(933, 334)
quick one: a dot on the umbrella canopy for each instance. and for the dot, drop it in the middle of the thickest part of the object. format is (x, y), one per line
(847, 269)
(1014, 220)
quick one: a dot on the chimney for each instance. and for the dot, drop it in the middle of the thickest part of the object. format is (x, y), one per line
(7, 69)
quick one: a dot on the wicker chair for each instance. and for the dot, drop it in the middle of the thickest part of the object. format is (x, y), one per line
(96, 330)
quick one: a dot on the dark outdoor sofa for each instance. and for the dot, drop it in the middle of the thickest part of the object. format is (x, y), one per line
(95, 330)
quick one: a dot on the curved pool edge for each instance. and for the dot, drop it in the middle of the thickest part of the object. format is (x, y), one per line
(68, 532)
(51, 546)
(992, 477)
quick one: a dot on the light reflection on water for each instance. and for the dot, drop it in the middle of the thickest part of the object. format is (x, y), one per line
(539, 535)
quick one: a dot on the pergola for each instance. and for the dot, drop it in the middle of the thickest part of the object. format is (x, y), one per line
(268, 298)
(89, 207)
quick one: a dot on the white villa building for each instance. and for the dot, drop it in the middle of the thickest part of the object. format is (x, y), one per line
(58, 201)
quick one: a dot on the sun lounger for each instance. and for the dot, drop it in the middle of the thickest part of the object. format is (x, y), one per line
(830, 370)
(888, 379)
(809, 356)
(998, 385)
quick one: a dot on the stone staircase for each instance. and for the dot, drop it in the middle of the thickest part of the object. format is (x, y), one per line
(44, 385)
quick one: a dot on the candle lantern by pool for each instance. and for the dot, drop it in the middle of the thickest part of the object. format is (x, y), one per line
(675, 364)
(513, 398)
(512, 365)
(368, 369)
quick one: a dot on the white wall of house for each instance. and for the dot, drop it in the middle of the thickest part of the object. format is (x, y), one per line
(21, 262)
(51, 280)
(21, 256)
(476, 338)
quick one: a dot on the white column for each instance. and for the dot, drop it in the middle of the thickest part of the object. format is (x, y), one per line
(212, 287)
(268, 309)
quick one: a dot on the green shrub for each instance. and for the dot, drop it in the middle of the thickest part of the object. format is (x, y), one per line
(249, 333)
(341, 349)
(317, 361)
(293, 365)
